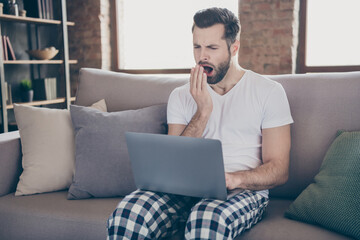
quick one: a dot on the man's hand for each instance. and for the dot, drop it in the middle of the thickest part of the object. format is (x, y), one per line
(231, 181)
(201, 95)
(199, 91)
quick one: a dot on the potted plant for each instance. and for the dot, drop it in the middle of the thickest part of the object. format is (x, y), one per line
(27, 93)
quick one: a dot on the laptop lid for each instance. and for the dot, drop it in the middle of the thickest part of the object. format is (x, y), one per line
(178, 165)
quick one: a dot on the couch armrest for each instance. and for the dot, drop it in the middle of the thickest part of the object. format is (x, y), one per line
(10, 162)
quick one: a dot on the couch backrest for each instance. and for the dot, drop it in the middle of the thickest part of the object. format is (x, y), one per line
(123, 91)
(320, 105)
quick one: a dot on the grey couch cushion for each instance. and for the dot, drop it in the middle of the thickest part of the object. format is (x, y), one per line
(51, 216)
(123, 91)
(102, 162)
(320, 104)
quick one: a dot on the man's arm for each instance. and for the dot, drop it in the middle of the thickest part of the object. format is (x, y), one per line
(274, 171)
(195, 128)
(198, 90)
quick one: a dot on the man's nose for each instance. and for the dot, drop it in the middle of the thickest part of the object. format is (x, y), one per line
(204, 56)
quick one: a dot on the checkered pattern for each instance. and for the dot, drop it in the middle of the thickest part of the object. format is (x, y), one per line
(149, 215)
(215, 219)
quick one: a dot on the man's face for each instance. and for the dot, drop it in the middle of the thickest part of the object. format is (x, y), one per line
(212, 52)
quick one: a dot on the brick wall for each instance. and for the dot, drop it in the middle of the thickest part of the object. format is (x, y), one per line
(89, 39)
(269, 35)
(268, 38)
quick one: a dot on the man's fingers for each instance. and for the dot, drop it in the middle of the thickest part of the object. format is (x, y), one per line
(195, 78)
(229, 181)
(199, 78)
(192, 78)
(198, 82)
(204, 82)
(198, 89)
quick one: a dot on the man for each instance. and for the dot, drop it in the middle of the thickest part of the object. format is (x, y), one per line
(250, 115)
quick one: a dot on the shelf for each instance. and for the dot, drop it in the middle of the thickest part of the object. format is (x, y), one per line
(37, 103)
(38, 61)
(13, 18)
(32, 28)
(43, 102)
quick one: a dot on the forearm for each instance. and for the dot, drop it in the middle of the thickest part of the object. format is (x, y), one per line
(197, 125)
(274, 171)
(200, 94)
(265, 176)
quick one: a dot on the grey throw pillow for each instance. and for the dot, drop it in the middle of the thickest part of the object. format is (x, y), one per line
(102, 166)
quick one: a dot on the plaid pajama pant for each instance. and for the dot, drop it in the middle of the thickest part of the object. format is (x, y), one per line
(154, 215)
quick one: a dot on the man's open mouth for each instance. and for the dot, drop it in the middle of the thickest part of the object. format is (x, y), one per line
(208, 70)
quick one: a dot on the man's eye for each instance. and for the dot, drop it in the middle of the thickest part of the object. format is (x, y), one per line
(196, 47)
(213, 48)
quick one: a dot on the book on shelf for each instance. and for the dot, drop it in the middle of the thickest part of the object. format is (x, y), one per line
(6, 92)
(33, 8)
(51, 10)
(8, 95)
(47, 9)
(10, 49)
(39, 8)
(43, 8)
(4, 46)
(50, 88)
(45, 88)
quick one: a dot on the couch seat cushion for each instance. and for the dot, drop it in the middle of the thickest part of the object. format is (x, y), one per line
(52, 216)
(275, 226)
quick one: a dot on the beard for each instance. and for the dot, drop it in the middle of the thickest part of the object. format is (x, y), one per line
(220, 71)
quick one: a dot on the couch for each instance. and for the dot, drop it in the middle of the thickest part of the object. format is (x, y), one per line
(320, 105)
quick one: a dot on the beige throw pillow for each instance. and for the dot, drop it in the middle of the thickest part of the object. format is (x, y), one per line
(100, 105)
(48, 148)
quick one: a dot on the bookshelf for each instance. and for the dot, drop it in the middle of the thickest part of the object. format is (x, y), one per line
(25, 65)
(44, 102)
(38, 62)
(6, 17)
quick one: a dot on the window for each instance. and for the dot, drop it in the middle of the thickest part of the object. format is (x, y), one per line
(329, 38)
(155, 36)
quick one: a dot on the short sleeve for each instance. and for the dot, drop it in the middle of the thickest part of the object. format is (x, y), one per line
(175, 109)
(276, 109)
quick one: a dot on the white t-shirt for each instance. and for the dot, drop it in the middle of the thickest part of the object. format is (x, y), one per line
(238, 117)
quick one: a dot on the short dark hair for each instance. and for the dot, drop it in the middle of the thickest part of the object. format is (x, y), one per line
(208, 17)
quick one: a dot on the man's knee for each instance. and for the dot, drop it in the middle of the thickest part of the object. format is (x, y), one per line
(129, 218)
(141, 215)
(207, 220)
(213, 219)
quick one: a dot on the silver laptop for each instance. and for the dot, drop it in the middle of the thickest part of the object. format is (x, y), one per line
(178, 165)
